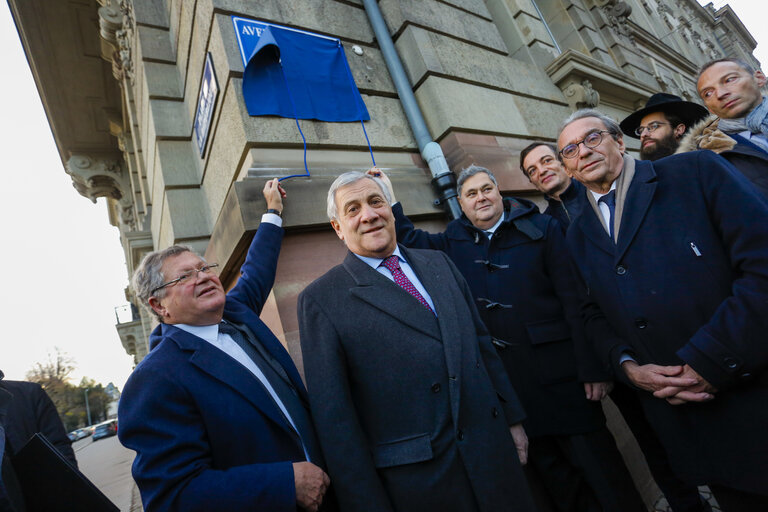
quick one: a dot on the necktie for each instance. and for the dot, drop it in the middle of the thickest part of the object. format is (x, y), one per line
(282, 386)
(393, 264)
(610, 200)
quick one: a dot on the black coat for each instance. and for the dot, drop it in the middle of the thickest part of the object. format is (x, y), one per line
(412, 410)
(687, 282)
(525, 290)
(31, 411)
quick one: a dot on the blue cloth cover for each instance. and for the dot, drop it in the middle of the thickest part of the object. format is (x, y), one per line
(317, 82)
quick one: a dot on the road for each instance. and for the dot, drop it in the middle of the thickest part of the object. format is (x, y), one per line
(107, 464)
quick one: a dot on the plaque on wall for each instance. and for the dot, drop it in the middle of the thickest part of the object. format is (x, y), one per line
(206, 101)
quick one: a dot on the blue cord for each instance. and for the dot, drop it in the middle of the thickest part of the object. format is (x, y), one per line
(296, 117)
(357, 101)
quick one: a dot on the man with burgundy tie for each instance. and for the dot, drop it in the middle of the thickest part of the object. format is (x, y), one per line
(216, 412)
(412, 405)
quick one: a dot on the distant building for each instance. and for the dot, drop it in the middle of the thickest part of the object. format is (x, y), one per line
(120, 82)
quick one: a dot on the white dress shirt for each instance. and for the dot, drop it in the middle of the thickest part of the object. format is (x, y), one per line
(375, 264)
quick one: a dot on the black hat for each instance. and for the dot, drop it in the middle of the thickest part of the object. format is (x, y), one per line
(668, 104)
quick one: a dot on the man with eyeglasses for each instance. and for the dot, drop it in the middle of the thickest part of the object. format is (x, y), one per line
(661, 124)
(738, 128)
(541, 164)
(217, 412)
(674, 255)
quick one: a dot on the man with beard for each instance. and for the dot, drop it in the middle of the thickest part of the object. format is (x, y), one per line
(738, 128)
(661, 124)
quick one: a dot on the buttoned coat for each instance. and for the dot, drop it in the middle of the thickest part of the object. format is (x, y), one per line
(524, 287)
(412, 410)
(687, 282)
(207, 436)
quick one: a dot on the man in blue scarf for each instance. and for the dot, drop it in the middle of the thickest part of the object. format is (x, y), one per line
(738, 126)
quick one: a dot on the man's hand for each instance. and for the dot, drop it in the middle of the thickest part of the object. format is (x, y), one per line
(521, 442)
(378, 173)
(274, 194)
(596, 391)
(701, 391)
(652, 377)
(311, 484)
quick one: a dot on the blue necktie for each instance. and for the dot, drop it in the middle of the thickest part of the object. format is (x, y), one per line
(610, 200)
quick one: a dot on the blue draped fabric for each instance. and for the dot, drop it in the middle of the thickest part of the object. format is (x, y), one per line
(300, 75)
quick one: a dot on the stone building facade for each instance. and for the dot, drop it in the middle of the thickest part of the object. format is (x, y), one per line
(120, 82)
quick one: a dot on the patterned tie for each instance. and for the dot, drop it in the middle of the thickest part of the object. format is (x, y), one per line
(393, 264)
(610, 200)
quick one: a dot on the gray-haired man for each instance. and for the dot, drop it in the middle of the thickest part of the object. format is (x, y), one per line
(412, 405)
(217, 412)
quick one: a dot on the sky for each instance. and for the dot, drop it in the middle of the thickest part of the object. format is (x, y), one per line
(63, 269)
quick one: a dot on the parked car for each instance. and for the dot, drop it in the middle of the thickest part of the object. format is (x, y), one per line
(80, 433)
(105, 429)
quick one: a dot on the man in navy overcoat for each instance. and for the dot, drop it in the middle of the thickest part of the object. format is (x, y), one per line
(523, 284)
(674, 254)
(217, 412)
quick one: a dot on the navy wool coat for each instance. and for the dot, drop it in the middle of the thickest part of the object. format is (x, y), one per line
(524, 287)
(207, 436)
(687, 282)
(412, 410)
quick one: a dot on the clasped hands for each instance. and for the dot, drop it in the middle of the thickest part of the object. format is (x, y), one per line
(676, 384)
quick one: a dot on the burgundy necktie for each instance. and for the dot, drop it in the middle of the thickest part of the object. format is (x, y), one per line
(393, 264)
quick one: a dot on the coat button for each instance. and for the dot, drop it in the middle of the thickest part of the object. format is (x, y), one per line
(495, 412)
(641, 323)
(621, 270)
(436, 387)
(731, 363)
(460, 435)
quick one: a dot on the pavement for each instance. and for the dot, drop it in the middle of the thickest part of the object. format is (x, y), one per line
(107, 464)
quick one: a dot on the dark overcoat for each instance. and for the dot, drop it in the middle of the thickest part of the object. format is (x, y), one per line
(524, 287)
(412, 410)
(687, 282)
(29, 411)
(207, 436)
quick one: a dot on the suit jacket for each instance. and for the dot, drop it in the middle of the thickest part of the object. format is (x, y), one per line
(687, 282)
(412, 410)
(207, 436)
(524, 287)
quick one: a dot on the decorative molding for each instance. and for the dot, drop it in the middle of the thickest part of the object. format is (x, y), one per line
(617, 13)
(104, 176)
(581, 95)
(573, 68)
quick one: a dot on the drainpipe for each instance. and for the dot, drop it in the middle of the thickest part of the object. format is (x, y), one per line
(443, 179)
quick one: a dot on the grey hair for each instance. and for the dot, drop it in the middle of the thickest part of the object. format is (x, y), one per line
(610, 124)
(742, 64)
(347, 179)
(471, 171)
(149, 276)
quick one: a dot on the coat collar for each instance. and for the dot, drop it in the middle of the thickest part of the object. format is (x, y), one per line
(386, 296)
(212, 361)
(637, 201)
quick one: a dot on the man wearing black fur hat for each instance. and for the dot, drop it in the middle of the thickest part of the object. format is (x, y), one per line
(661, 124)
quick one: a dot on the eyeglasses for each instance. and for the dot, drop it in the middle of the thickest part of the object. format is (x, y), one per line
(652, 127)
(591, 141)
(205, 269)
